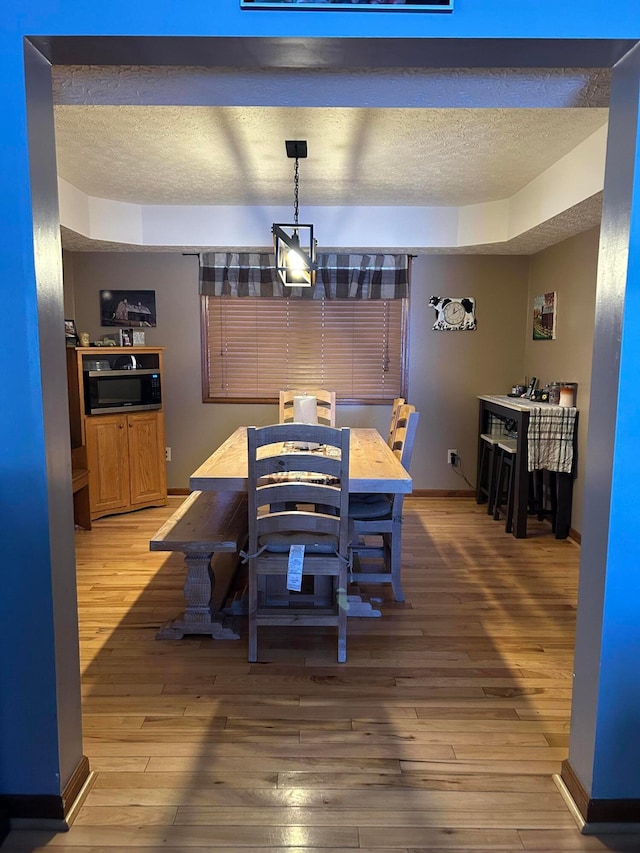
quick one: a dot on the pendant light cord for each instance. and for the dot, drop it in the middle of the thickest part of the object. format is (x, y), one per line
(296, 186)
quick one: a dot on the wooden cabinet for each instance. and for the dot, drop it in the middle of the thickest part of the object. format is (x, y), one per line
(126, 461)
(108, 459)
(147, 470)
(125, 452)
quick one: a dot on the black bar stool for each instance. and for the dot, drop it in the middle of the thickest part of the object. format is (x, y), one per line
(486, 485)
(505, 481)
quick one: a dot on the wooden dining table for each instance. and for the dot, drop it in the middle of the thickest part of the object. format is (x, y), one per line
(373, 467)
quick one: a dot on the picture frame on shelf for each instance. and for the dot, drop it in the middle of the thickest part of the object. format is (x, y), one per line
(71, 333)
(138, 338)
(126, 337)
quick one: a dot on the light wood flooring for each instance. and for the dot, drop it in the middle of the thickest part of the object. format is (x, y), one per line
(440, 733)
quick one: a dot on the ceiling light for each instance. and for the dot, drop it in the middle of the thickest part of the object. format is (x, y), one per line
(293, 243)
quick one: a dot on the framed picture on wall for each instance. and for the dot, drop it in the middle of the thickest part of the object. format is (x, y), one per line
(545, 310)
(352, 5)
(128, 308)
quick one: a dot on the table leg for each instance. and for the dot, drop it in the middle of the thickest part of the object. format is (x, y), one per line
(565, 496)
(198, 617)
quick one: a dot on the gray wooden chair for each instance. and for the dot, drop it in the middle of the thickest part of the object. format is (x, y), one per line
(285, 484)
(380, 516)
(325, 405)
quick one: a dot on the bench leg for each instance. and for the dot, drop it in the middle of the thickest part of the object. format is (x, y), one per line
(198, 617)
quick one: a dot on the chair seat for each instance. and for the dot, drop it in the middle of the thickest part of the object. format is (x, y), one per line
(369, 506)
(318, 543)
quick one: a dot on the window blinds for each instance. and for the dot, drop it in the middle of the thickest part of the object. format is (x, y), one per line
(256, 346)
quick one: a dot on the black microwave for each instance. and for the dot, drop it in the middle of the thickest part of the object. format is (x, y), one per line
(134, 390)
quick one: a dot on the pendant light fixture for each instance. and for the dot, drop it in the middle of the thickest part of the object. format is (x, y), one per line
(293, 243)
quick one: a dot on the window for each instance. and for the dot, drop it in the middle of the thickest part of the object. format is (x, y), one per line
(256, 346)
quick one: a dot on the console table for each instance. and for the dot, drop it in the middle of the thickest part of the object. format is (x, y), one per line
(518, 410)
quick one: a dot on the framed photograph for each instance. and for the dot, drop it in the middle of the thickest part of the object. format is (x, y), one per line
(138, 338)
(352, 5)
(126, 337)
(71, 333)
(128, 308)
(545, 311)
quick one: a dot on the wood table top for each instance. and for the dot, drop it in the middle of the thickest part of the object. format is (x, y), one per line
(373, 467)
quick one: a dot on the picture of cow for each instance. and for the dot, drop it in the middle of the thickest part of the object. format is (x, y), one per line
(453, 313)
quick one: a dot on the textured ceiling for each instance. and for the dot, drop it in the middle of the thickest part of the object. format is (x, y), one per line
(118, 138)
(236, 155)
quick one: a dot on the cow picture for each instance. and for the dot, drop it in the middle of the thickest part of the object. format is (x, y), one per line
(454, 313)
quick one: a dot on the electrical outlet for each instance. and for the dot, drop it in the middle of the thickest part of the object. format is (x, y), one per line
(452, 457)
(167, 454)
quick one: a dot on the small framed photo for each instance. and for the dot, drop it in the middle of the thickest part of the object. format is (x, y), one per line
(70, 333)
(545, 313)
(138, 338)
(126, 337)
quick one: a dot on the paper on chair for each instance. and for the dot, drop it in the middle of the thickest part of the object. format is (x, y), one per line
(294, 568)
(305, 409)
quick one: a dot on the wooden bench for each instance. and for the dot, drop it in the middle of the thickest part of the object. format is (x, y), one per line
(80, 487)
(209, 528)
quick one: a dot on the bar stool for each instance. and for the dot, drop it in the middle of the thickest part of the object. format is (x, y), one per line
(505, 481)
(487, 469)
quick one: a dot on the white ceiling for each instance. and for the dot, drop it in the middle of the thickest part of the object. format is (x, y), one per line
(136, 148)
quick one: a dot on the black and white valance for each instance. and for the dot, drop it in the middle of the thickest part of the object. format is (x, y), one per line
(339, 276)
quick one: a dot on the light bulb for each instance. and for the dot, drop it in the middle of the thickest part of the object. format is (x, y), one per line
(295, 263)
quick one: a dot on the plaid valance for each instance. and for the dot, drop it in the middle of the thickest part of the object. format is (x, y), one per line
(339, 276)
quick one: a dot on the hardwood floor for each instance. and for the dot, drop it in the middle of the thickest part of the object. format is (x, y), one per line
(440, 733)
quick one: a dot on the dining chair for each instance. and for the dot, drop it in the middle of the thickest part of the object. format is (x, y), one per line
(325, 405)
(380, 516)
(395, 409)
(295, 482)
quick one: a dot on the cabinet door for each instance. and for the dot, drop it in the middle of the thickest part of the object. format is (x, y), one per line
(148, 478)
(108, 462)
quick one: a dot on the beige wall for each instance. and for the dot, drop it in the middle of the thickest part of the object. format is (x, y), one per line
(570, 269)
(447, 370)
